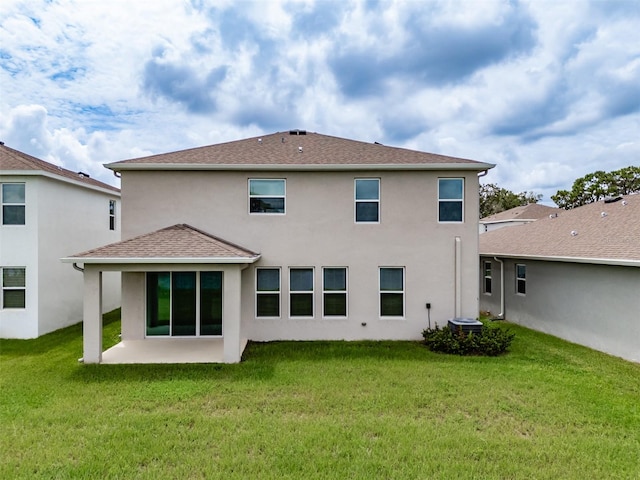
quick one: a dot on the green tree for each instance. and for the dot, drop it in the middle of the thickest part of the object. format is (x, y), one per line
(597, 186)
(494, 199)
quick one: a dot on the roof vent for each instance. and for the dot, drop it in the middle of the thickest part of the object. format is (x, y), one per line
(603, 214)
(612, 199)
(377, 143)
(1, 143)
(83, 175)
(300, 149)
(574, 233)
(260, 141)
(553, 215)
(624, 202)
(297, 131)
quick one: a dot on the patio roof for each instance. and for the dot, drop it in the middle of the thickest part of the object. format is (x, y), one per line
(175, 244)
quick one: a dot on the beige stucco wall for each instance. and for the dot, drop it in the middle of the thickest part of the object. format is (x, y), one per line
(61, 219)
(593, 305)
(318, 230)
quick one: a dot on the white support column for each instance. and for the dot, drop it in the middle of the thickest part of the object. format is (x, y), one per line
(231, 314)
(92, 322)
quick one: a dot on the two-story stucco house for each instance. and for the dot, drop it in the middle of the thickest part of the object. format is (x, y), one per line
(292, 235)
(46, 212)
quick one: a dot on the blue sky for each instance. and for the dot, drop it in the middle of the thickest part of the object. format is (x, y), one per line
(547, 90)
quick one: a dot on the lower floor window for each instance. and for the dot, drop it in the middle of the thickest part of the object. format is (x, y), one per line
(487, 278)
(13, 287)
(268, 292)
(301, 292)
(334, 292)
(391, 291)
(184, 303)
(521, 279)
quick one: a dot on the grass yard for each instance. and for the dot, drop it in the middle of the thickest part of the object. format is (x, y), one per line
(306, 410)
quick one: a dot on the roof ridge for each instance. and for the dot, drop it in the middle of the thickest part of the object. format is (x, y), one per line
(286, 150)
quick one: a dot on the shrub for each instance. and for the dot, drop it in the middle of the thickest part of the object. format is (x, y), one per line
(491, 342)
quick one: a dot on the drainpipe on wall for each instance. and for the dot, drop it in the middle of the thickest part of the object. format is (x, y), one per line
(458, 277)
(80, 269)
(501, 314)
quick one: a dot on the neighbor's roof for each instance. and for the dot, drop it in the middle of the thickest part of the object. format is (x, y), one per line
(176, 244)
(298, 150)
(600, 232)
(18, 163)
(532, 211)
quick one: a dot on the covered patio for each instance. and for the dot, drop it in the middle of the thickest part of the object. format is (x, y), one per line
(159, 323)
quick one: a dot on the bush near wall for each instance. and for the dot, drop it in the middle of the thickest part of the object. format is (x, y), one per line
(492, 341)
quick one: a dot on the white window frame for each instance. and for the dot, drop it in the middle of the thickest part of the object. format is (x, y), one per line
(21, 288)
(345, 292)
(267, 292)
(312, 292)
(13, 204)
(380, 292)
(521, 280)
(487, 266)
(283, 196)
(112, 214)
(451, 200)
(356, 200)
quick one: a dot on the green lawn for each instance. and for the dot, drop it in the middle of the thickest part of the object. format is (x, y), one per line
(305, 410)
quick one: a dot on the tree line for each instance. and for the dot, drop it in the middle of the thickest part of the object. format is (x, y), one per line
(593, 187)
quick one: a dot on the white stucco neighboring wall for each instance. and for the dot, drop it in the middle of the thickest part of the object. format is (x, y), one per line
(318, 230)
(593, 305)
(61, 219)
(19, 248)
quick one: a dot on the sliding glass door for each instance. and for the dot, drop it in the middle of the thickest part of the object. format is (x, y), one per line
(184, 304)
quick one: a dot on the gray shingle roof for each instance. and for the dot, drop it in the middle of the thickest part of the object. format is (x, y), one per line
(15, 161)
(182, 243)
(602, 232)
(532, 211)
(284, 150)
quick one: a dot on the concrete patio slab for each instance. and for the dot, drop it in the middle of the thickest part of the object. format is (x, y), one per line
(167, 350)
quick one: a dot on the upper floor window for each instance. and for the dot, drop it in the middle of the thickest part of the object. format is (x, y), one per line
(301, 292)
(267, 292)
(521, 279)
(13, 204)
(112, 214)
(487, 278)
(391, 291)
(13, 287)
(267, 196)
(450, 199)
(367, 197)
(334, 292)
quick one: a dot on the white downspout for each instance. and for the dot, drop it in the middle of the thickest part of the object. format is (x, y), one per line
(501, 314)
(458, 277)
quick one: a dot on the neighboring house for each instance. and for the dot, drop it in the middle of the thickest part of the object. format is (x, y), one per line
(289, 236)
(516, 216)
(48, 211)
(575, 276)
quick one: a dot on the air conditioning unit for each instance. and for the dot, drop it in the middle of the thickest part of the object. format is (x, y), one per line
(467, 325)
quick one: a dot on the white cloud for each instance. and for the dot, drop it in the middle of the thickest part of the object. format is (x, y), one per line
(547, 90)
